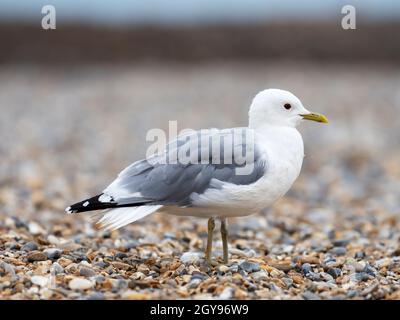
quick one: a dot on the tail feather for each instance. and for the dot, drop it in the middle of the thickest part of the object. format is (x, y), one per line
(100, 202)
(116, 218)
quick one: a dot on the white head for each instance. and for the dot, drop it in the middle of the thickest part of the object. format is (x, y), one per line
(277, 107)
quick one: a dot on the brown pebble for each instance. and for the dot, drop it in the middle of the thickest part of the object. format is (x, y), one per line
(36, 256)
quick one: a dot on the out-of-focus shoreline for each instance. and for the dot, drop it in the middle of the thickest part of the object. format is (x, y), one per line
(317, 42)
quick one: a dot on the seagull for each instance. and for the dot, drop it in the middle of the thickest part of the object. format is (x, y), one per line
(240, 173)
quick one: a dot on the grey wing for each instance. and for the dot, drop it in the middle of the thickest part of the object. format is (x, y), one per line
(190, 164)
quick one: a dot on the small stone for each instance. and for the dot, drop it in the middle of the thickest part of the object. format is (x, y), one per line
(308, 295)
(314, 276)
(120, 255)
(338, 251)
(340, 242)
(30, 246)
(352, 293)
(359, 276)
(53, 239)
(35, 229)
(335, 272)
(197, 276)
(96, 296)
(283, 265)
(234, 268)
(326, 276)
(11, 245)
(36, 256)
(382, 263)
(57, 268)
(131, 244)
(39, 280)
(191, 257)
(87, 272)
(249, 266)
(260, 275)
(306, 268)
(80, 284)
(288, 282)
(223, 268)
(53, 253)
(227, 293)
(359, 255)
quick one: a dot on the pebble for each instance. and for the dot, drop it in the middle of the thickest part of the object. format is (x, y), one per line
(223, 268)
(383, 263)
(53, 253)
(308, 295)
(338, 251)
(227, 293)
(87, 272)
(57, 268)
(35, 229)
(36, 256)
(249, 266)
(260, 275)
(96, 296)
(30, 246)
(359, 276)
(335, 272)
(191, 257)
(40, 281)
(80, 284)
(306, 268)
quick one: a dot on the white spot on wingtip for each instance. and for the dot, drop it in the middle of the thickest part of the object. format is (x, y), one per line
(68, 210)
(86, 203)
(105, 198)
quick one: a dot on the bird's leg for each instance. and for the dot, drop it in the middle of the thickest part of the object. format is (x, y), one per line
(211, 226)
(224, 236)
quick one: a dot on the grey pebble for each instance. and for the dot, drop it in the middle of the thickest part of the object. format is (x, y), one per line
(131, 244)
(308, 295)
(234, 268)
(30, 246)
(120, 255)
(101, 264)
(197, 276)
(352, 293)
(87, 272)
(339, 251)
(53, 253)
(314, 276)
(306, 268)
(359, 276)
(288, 281)
(96, 296)
(11, 245)
(57, 268)
(370, 270)
(250, 266)
(334, 272)
(340, 242)
(359, 255)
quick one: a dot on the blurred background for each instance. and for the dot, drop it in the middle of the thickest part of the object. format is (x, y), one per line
(76, 102)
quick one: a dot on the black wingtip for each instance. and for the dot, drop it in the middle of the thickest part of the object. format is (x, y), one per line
(91, 204)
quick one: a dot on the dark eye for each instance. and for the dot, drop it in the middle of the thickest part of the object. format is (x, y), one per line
(287, 106)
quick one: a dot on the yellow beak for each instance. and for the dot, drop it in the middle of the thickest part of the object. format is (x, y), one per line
(315, 117)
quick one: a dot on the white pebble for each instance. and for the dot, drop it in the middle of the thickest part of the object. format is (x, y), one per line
(191, 257)
(40, 281)
(80, 284)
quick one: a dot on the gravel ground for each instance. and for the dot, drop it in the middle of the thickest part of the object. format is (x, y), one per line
(66, 133)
